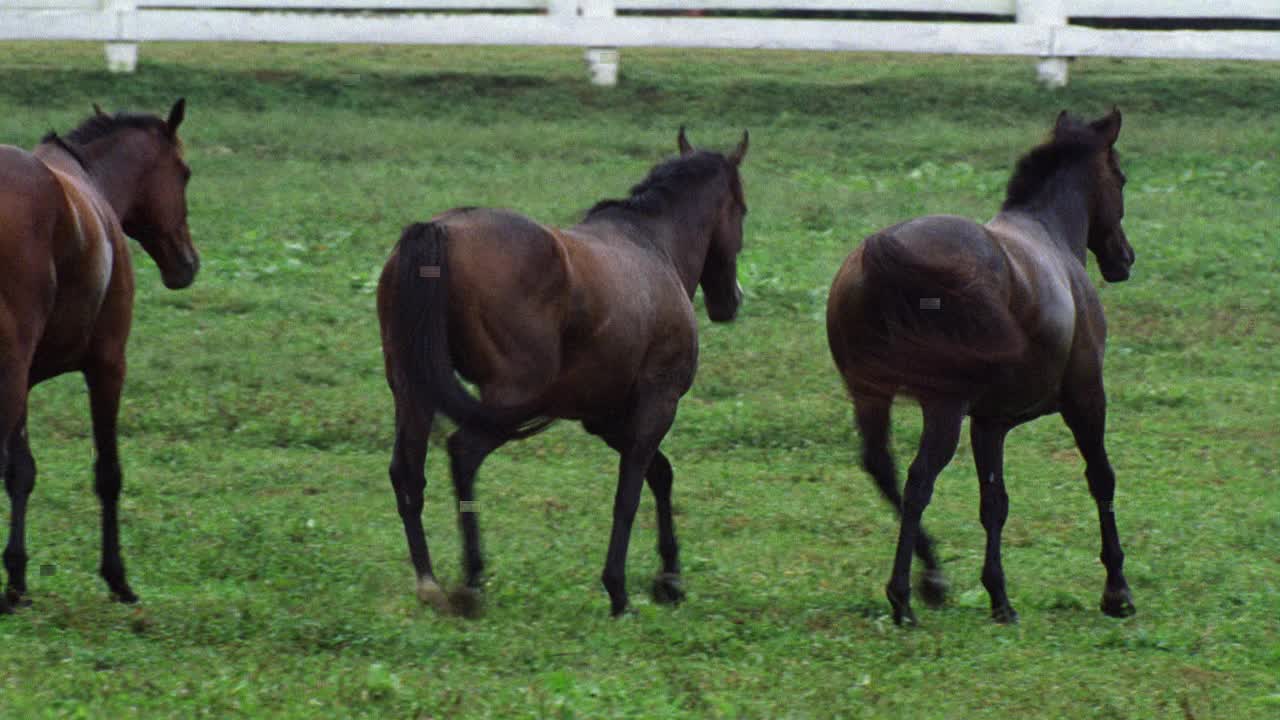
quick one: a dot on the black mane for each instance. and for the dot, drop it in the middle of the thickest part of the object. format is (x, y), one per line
(98, 126)
(1036, 168)
(664, 184)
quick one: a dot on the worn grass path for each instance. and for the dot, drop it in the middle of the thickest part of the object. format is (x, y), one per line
(258, 523)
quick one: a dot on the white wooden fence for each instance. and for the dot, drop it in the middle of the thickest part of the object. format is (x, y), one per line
(1040, 28)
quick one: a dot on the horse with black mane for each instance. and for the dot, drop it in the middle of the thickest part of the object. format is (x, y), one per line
(66, 300)
(592, 322)
(999, 322)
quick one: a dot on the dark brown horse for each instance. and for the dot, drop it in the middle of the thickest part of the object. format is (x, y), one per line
(66, 298)
(592, 323)
(998, 322)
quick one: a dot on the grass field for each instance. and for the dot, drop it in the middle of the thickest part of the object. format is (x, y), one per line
(259, 526)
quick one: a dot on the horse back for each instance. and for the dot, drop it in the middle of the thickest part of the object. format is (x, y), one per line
(565, 318)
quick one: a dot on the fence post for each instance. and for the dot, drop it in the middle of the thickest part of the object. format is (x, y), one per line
(1043, 16)
(122, 57)
(602, 62)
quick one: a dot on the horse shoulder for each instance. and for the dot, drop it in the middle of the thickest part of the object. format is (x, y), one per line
(93, 280)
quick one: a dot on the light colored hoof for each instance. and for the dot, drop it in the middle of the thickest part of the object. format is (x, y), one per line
(430, 593)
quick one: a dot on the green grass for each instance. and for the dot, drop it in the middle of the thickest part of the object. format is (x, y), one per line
(259, 526)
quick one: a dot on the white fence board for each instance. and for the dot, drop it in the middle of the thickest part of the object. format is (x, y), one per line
(1042, 28)
(1186, 44)
(397, 5)
(1262, 9)
(971, 7)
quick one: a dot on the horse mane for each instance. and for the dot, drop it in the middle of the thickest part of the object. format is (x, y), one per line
(100, 125)
(665, 183)
(1037, 167)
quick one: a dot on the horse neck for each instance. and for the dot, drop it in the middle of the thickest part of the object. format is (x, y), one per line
(116, 164)
(683, 234)
(1061, 208)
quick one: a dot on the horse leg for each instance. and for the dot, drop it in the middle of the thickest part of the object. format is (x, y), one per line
(20, 479)
(467, 450)
(637, 446)
(668, 588)
(409, 482)
(1086, 415)
(988, 457)
(105, 381)
(872, 415)
(942, 420)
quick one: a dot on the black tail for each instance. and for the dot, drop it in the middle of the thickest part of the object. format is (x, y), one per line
(420, 332)
(926, 329)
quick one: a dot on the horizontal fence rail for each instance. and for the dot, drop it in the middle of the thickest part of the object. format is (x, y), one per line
(1034, 28)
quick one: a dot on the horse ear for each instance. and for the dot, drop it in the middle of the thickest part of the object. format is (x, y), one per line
(1108, 127)
(741, 151)
(176, 113)
(1062, 124)
(683, 142)
(97, 110)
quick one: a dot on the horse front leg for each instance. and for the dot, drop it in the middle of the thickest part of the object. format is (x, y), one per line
(637, 444)
(105, 381)
(668, 588)
(1086, 414)
(19, 471)
(987, 441)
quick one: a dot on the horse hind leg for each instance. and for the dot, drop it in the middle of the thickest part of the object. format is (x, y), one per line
(467, 451)
(872, 416)
(409, 481)
(938, 441)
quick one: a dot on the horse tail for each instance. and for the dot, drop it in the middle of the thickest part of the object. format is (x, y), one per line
(926, 329)
(420, 328)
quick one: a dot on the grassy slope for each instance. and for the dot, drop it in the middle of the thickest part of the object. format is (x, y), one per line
(258, 523)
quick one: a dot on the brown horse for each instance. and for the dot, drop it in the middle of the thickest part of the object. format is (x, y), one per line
(66, 301)
(592, 323)
(998, 322)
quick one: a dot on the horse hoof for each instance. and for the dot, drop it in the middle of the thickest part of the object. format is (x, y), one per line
(933, 588)
(467, 602)
(1118, 603)
(620, 609)
(668, 589)
(125, 596)
(13, 599)
(1005, 615)
(430, 593)
(902, 614)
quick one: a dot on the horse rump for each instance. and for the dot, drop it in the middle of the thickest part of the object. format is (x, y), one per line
(920, 327)
(420, 339)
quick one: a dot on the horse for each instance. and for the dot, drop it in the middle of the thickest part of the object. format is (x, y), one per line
(592, 323)
(66, 303)
(997, 321)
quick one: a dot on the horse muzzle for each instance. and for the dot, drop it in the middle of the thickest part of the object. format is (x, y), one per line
(181, 276)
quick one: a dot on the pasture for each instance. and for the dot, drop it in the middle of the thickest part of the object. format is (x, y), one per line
(257, 518)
